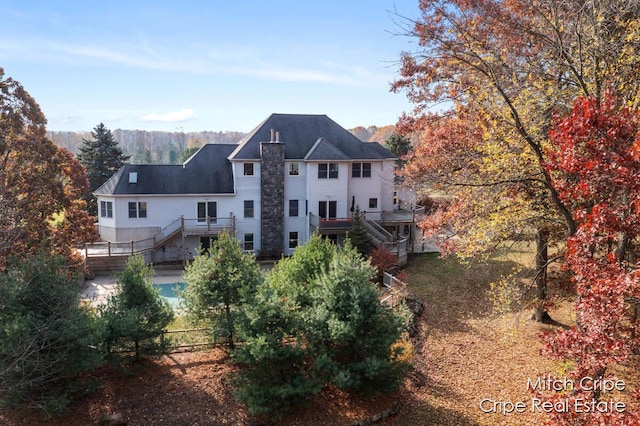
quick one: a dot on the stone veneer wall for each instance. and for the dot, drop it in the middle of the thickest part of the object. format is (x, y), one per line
(272, 198)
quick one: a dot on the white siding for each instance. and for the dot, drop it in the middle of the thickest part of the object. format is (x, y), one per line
(295, 188)
(247, 188)
(329, 189)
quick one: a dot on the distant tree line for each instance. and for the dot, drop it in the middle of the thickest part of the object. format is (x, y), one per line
(155, 147)
(149, 147)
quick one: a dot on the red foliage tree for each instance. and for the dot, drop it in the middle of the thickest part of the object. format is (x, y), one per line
(382, 259)
(594, 167)
(40, 184)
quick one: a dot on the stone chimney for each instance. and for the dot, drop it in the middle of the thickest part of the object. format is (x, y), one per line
(272, 196)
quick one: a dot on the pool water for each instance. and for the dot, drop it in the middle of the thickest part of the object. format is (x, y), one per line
(170, 292)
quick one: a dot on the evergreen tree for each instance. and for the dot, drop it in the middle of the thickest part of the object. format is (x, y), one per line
(353, 332)
(358, 235)
(278, 365)
(293, 277)
(102, 157)
(47, 338)
(399, 146)
(187, 153)
(316, 320)
(218, 282)
(136, 314)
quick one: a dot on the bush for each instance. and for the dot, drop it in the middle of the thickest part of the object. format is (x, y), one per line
(219, 282)
(354, 333)
(136, 315)
(328, 329)
(47, 339)
(277, 364)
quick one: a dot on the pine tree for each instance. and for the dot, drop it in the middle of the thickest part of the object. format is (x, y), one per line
(136, 314)
(47, 338)
(218, 282)
(102, 156)
(399, 146)
(358, 235)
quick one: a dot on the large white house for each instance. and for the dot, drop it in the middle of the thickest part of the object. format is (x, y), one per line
(289, 177)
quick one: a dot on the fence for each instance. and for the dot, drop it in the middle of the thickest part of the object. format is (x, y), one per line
(189, 338)
(395, 291)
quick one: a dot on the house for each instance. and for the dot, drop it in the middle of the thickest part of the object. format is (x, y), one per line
(289, 177)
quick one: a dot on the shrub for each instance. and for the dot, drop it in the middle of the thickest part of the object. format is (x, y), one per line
(219, 282)
(136, 315)
(47, 339)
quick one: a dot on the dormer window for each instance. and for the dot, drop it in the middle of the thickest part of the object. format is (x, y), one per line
(133, 177)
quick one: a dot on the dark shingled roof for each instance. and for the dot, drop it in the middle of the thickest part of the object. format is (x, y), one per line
(300, 132)
(207, 172)
(325, 150)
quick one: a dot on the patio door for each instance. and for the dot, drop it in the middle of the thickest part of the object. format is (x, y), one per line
(206, 210)
(328, 209)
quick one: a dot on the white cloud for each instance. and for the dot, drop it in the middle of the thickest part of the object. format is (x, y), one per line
(171, 117)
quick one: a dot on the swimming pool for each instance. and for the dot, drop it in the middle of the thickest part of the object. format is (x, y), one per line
(170, 292)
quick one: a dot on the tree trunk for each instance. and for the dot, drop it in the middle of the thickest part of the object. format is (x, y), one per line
(542, 258)
(227, 309)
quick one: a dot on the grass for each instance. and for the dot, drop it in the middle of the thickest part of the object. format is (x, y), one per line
(466, 352)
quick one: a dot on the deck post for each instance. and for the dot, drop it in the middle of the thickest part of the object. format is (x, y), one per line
(109, 248)
(184, 249)
(131, 247)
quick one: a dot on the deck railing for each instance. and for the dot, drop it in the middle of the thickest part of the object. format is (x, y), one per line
(199, 226)
(395, 290)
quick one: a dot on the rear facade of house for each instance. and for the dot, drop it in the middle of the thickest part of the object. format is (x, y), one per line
(289, 177)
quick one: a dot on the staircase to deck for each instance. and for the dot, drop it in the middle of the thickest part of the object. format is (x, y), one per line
(382, 238)
(109, 256)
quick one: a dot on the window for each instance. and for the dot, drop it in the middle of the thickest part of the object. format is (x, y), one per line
(133, 177)
(248, 242)
(248, 208)
(207, 209)
(293, 208)
(137, 210)
(106, 209)
(328, 171)
(294, 169)
(395, 198)
(293, 240)
(327, 209)
(373, 203)
(361, 170)
(248, 169)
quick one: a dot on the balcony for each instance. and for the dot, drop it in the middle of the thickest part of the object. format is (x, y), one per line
(402, 216)
(335, 225)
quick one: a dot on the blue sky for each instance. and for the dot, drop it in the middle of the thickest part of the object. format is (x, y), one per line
(206, 65)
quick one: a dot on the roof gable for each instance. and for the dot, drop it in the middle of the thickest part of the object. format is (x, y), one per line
(300, 133)
(325, 150)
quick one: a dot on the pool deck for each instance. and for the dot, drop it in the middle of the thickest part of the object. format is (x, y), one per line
(98, 289)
